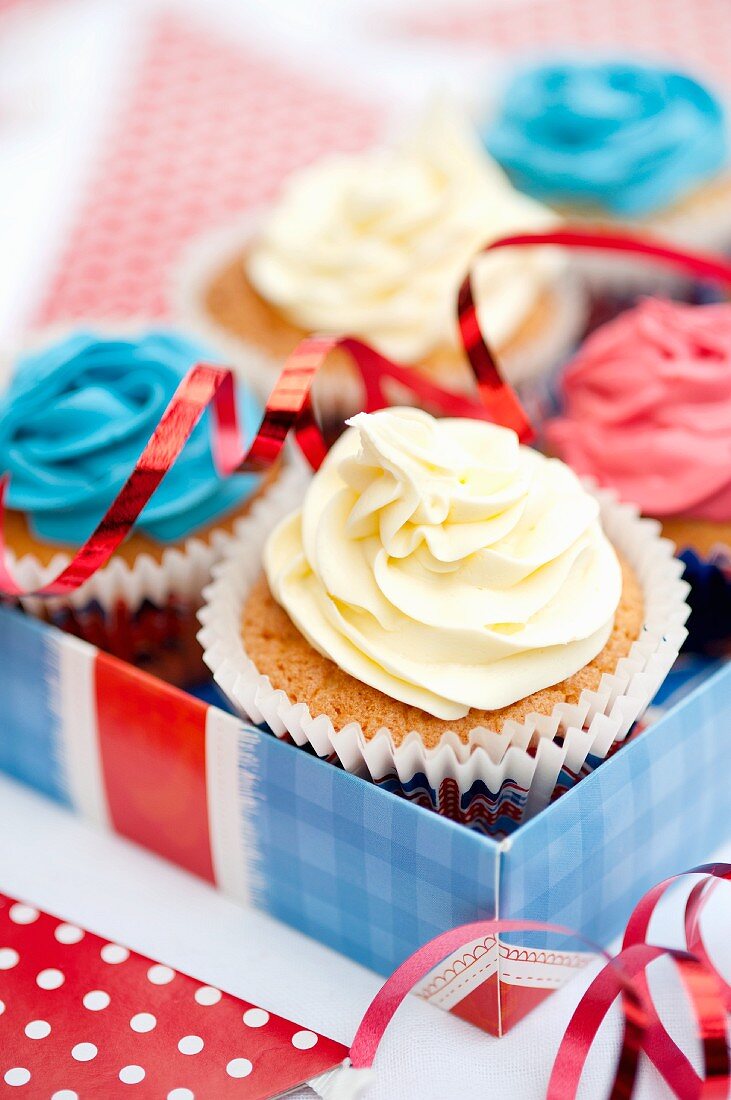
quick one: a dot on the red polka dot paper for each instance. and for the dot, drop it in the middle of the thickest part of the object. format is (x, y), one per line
(81, 1017)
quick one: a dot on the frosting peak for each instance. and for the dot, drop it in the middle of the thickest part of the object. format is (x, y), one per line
(648, 409)
(377, 243)
(445, 564)
(77, 415)
(626, 137)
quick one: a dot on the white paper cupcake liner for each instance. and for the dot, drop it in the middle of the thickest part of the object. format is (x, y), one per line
(342, 394)
(498, 779)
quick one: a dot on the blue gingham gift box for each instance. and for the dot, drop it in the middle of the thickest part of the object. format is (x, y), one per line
(369, 874)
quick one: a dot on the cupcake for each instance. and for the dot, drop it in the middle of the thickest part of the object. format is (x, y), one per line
(74, 419)
(451, 614)
(647, 412)
(619, 142)
(376, 244)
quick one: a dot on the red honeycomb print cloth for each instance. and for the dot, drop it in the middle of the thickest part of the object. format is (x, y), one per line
(210, 128)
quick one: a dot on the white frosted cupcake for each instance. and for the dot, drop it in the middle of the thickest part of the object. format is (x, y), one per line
(376, 245)
(449, 613)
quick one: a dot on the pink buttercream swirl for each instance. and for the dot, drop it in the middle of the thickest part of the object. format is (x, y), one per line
(648, 409)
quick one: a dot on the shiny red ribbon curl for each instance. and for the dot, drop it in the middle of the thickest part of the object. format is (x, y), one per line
(289, 408)
(624, 975)
(501, 397)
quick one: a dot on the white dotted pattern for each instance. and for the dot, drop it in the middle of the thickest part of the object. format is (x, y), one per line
(143, 1022)
(695, 34)
(211, 129)
(18, 1075)
(131, 1075)
(23, 914)
(38, 1029)
(50, 978)
(68, 933)
(207, 995)
(84, 1052)
(304, 1040)
(255, 1017)
(239, 1067)
(190, 1044)
(114, 953)
(160, 975)
(156, 978)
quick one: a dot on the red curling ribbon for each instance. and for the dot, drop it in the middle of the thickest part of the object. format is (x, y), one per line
(496, 393)
(375, 368)
(615, 978)
(699, 895)
(663, 1052)
(622, 976)
(194, 393)
(702, 265)
(288, 409)
(706, 998)
(493, 389)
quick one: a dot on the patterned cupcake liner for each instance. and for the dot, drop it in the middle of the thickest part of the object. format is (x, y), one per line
(525, 366)
(159, 640)
(709, 625)
(499, 779)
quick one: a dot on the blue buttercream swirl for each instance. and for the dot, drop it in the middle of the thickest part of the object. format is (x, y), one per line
(77, 415)
(628, 138)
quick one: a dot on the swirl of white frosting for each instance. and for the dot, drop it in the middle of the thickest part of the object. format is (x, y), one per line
(376, 244)
(445, 564)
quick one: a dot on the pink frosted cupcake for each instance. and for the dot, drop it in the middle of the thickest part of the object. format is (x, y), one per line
(647, 412)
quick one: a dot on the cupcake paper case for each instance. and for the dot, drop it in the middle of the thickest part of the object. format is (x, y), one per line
(621, 141)
(75, 417)
(376, 244)
(488, 767)
(647, 412)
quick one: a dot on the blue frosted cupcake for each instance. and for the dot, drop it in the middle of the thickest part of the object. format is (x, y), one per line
(73, 421)
(619, 142)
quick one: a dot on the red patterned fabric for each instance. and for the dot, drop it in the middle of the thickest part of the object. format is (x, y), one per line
(696, 33)
(210, 129)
